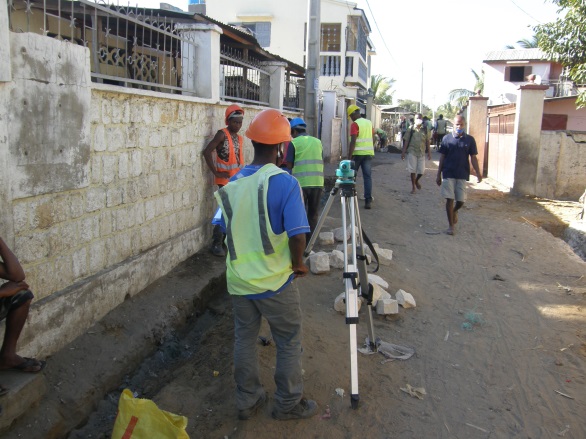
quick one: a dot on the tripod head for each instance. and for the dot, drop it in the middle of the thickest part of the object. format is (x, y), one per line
(345, 172)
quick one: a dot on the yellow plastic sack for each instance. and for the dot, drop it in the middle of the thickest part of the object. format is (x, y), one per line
(141, 419)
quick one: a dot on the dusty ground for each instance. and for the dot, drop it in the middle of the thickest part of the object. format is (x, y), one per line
(518, 373)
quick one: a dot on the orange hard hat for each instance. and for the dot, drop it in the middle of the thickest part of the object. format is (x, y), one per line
(231, 109)
(270, 127)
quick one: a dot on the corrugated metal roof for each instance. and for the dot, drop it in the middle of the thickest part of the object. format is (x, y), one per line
(515, 55)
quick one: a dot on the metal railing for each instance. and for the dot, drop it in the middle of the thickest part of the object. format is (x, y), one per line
(242, 78)
(294, 93)
(129, 46)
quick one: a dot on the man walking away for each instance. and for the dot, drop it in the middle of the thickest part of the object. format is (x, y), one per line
(361, 149)
(305, 159)
(440, 130)
(416, 145)
(228, 145)
(265, 222)
(457, 151)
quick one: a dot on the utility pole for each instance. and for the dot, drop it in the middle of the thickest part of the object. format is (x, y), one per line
(312, 68)
(421, 97)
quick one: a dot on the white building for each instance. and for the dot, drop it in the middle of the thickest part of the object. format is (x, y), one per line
(282, 29)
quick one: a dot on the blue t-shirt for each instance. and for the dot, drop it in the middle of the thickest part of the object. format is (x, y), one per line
(457, 152)
(286, 211)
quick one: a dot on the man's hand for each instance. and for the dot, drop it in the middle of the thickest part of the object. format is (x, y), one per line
(428, 155)
(300, 270)
(402, 156)
(479, 179)
(10, 288)
(438, 179)
(223, 174)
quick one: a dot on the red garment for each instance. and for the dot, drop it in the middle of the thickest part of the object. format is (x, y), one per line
(354, 129)
(233, 165)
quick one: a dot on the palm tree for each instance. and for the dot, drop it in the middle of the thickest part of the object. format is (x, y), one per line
(460, 95)
(525, 43)
(380, 86)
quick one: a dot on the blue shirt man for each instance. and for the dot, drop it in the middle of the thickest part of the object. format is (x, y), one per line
(456, 152)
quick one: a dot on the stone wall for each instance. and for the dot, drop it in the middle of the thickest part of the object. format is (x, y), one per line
(105, 189)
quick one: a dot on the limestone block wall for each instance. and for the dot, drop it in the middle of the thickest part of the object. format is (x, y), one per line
(104, 188)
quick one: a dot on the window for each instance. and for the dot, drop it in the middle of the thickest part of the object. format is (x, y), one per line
(517, 74)
(261, 31)
(331, 36)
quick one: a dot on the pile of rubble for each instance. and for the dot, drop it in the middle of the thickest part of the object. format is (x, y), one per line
(323, 262)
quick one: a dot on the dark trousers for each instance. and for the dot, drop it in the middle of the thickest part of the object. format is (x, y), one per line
(312, 199)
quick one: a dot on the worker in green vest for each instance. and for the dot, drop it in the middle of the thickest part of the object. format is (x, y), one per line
(262, 212)
(305, 159)
(361, 149)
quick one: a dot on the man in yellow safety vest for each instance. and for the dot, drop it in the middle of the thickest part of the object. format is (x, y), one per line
(361, 149)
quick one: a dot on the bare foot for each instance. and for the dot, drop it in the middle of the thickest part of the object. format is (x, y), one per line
(418, 185)
(413, 191)
(450, 231)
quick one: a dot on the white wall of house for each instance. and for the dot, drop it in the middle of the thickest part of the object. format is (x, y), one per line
(287, 22)
(500, 91)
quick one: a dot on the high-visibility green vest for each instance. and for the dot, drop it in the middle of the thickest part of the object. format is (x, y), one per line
(257, 259)
(308, 168)
(364, 145)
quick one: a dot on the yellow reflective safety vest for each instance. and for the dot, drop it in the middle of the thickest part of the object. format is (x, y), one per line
(308, 168)
(257, 259)
(364, 145)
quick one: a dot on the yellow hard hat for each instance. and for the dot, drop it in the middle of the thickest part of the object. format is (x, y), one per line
(352, 109)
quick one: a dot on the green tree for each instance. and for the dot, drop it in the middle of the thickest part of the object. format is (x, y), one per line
(413, 107)
(526, 43)
(459, 96)
(448, 110)
(564, 41)
(381, 86)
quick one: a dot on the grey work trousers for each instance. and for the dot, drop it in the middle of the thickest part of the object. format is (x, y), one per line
(283, 313)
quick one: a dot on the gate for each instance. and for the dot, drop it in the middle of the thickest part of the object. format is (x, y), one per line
(501, 144)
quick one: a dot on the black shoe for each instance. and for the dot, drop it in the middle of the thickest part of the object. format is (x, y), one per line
(368, 204)
(305, 409)
(248, 413)
(217, 250)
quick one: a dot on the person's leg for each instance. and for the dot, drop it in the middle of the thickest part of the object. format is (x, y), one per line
(411, 168)
(420, 170)
(450, 213)
(367, 176)
(447, 192)
(283, 313)
(312, 202)
(15, 321)
(460, 197)
(413, 182)
(247, 320)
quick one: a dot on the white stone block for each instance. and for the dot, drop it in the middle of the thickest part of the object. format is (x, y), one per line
(378, 293)
(405, 299)
(336, 259)
(367, 248)
(339, 233)
(385, 256)
(374, 279)
(387, 306)
(326, 238)
(340, 304)
(319, 263)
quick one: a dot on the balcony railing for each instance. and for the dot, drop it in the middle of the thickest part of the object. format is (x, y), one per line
(242, 78)
(129, 46)
(294, 93)
(331, 65)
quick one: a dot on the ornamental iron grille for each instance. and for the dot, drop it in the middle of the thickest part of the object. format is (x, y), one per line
(242, 77)
(129, 46)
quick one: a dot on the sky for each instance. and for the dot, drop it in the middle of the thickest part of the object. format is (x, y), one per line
(447, 38)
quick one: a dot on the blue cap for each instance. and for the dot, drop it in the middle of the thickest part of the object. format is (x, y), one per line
(297, 121)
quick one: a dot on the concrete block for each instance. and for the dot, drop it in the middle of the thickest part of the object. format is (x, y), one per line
(319, 263)
(385, 256)
(378, 293)
(340, 303)
(405, 299)
(109, 168)
(367, 250)
(95, 199)
(339, 233)
(326, 238)
(336, 259)
(375, 279)
(387, 306)
(123, 170)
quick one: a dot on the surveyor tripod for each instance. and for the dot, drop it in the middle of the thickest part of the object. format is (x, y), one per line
(355, 273)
